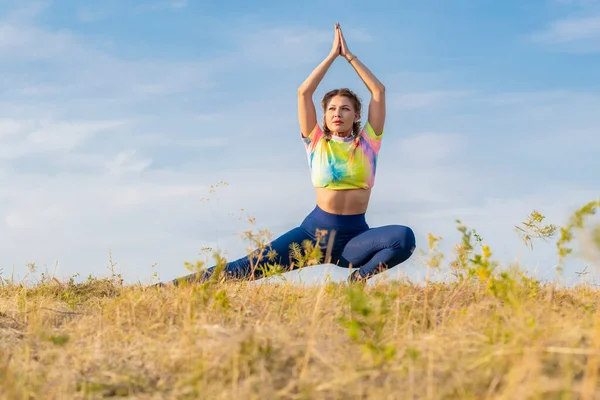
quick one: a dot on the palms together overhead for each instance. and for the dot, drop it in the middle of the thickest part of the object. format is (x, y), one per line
(340, 47)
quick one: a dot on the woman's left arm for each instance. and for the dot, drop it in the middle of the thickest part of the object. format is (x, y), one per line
(377, 104)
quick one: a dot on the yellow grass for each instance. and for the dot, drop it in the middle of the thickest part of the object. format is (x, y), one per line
(490, 333)
(234, 340)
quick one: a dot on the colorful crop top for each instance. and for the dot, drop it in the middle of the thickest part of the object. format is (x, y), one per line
(343, 163)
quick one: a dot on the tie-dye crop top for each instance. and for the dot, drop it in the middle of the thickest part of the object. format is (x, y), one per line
(343, 163)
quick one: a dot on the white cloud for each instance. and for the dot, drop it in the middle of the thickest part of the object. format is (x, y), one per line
(208, 117)
(198, 142)
(89, 14)
(561, 113)
(23, 137)
(577, 34)
(74, 68)
(162, 5)
(126, 162)
(276, 47)
(428, 148)
(93, 13)
(279, 47)
(178, 4)
(32, 43)
(416, 100)
(538, 97)
(576, 29)
(581, 3)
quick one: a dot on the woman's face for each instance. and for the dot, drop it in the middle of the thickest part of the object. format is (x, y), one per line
(340, 115)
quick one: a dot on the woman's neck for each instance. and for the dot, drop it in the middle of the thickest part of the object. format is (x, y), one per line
(342, 134)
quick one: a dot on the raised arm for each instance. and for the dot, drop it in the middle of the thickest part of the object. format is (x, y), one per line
(376, 116)
(307, 115)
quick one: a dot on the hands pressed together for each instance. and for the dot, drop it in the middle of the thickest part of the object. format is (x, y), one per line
(340, 48)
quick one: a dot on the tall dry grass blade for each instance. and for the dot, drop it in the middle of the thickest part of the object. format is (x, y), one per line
(311, 335)
(589, 387)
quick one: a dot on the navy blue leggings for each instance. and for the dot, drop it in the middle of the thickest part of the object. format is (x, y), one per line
(354, 244)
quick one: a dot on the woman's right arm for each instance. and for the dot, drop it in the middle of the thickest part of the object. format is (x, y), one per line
(307, 115)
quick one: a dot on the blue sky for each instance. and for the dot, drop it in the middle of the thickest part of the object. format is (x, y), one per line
(115, 120)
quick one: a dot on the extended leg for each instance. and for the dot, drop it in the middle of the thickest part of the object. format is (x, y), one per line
(379, 249)
(242, 267)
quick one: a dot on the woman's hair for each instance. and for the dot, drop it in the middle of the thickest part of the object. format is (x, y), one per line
(355, 102)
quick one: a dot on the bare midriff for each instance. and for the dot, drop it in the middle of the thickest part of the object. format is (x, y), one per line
(343, 202)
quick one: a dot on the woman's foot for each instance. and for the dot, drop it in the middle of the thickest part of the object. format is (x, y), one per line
(192, 278)
(161, 284)
(355, 277)
(197, 277)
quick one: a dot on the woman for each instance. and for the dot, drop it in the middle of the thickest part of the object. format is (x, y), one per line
(342, 158)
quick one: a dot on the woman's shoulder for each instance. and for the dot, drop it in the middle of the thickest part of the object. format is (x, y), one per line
(313, 137)
(371, 137)
(368, 131)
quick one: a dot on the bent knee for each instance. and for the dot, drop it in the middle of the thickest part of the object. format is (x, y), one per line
(401, 237)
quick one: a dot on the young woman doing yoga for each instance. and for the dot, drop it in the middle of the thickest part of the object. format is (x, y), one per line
(342, 157)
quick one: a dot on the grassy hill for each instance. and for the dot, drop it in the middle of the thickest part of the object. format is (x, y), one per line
(491, 332)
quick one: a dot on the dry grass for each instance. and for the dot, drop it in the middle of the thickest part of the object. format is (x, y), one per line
(233, 340)
(487, 334)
